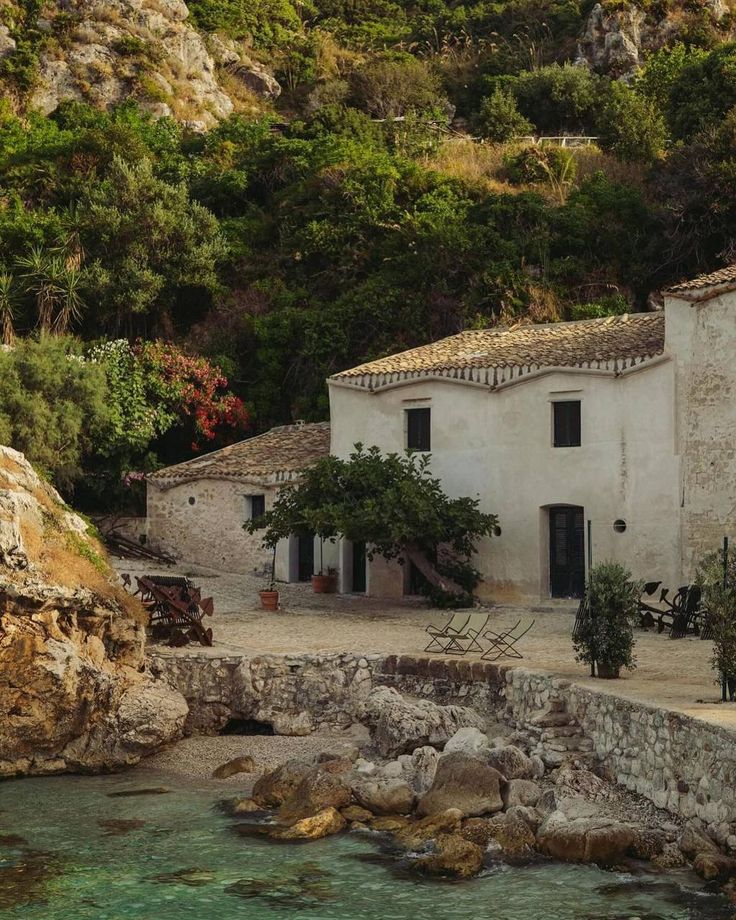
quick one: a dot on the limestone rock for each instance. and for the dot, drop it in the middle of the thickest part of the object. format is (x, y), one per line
(577, 781)
(670, 858)
(258, 80)
(274, 788)
(468, 741)
(453, 856)
(611, 40)
(529, 815)
(648, 843)
(714, 866)
(400, 725)
(615, 39)
(513, 836)
(463, 782)
(414, 835)
(318, 790)
(384, 796)
(132, 48)
(695, 841)
(236, 765)
(325, 823)
(598, 840)
(293, 724)
(243, 807)
(74, 693)
(511, 762)
(424, 766)
(521, 792)
(355, 813)
(7, 44)
(389, 824)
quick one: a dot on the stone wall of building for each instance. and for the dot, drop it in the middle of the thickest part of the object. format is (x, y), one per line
(681, 764)
(191, 520)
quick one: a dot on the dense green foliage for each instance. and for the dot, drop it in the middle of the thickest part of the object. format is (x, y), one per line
(606, 636)
(345, 223)
(719, 603)
(89, 417)
(391, 503)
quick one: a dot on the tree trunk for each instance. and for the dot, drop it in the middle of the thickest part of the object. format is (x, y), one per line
(415, 555)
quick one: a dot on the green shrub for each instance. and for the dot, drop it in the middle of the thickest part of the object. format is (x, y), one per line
(500, 119)
(607, 634)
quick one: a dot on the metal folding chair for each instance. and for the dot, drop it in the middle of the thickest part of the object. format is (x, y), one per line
(441, 636)
(467, 639)
(504, 644)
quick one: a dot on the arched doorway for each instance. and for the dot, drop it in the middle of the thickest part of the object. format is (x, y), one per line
(566, 551)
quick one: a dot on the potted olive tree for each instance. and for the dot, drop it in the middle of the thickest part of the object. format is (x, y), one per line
(605, 639)
(716, 576)
(270, 596)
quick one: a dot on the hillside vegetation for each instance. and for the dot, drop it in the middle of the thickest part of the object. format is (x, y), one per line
(285, 189)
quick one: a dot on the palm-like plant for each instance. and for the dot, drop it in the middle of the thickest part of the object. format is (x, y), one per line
(8, 302)
(37, 270)
(55, 282)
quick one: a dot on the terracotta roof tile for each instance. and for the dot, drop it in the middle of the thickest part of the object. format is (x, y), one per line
(725, 275)
(631, 336)
(285, 450)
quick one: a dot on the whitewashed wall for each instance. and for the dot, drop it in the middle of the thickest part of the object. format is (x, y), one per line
(497, 446)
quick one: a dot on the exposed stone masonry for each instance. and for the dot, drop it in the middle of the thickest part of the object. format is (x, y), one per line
(679, 763)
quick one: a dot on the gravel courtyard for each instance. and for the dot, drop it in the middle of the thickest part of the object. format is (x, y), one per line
(671, 674)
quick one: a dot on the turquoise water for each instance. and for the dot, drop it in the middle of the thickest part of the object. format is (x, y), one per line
(88, 853)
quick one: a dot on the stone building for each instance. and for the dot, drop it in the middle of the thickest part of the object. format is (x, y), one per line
(196, 510)
(609, 438)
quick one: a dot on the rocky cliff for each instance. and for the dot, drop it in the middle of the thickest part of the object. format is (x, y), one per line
(616, 37)
(107, 51)
(74, 692)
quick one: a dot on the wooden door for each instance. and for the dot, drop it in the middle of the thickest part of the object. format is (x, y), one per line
(566, 551)
(359, 569)
(306, 556)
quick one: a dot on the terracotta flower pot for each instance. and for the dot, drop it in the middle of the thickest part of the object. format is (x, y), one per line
(269, 600)
(608, 671)
(324, 584)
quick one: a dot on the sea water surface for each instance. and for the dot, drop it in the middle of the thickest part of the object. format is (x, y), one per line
(73, 848)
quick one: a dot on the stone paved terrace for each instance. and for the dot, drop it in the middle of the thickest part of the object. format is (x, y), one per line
(675, 675)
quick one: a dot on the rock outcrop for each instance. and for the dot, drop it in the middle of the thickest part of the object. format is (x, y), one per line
(74, 693)
(107, 51)
(616, 39)
(400, 725)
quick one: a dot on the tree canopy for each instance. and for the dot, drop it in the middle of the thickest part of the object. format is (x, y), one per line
(394, 505)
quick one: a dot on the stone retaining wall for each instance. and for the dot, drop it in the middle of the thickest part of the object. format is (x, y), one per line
(680, 763)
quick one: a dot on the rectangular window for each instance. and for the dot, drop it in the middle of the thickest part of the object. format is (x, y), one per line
(566, 423)
(418, 425)
(255, 506)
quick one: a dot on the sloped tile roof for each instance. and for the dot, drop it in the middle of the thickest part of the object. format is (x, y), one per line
(725, 275)
(577, 344)
(281, 452)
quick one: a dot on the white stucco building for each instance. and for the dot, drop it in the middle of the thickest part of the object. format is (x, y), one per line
(196, 510)
(621, 428)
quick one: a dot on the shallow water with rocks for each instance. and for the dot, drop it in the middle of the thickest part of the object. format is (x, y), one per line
(127, 848)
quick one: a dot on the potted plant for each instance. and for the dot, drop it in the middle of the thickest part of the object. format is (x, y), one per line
(270, 595)
(324, 582)
(605, 639)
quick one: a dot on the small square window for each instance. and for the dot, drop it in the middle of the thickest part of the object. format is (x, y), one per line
(255, 506)
(418, 429)
(566, 423)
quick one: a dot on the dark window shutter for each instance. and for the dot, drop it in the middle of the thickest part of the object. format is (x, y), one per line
(257, 506)
(566, 423)
(418, 429)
